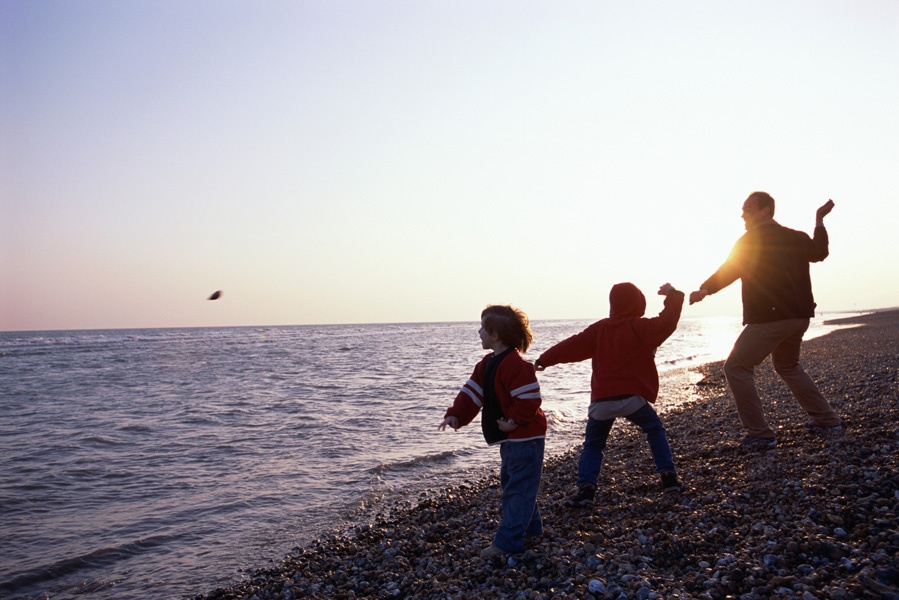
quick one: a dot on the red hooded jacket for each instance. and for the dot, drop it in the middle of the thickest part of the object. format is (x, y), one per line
(622, 346)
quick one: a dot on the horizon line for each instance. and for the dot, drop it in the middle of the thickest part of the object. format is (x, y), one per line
(818, 314)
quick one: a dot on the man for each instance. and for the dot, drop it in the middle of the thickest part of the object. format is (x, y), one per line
(772, 262)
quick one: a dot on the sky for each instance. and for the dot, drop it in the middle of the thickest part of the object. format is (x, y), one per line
(365, 161)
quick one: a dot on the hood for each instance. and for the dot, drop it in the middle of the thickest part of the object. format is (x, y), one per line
(626, 300)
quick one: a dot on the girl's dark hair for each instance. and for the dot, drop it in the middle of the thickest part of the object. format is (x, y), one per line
(509, 324)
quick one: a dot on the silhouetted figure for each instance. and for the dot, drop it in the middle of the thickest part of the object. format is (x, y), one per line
(503, 387)
(625, 381)
(772, 262)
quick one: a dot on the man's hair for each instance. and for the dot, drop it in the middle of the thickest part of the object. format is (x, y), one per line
(762, 200)
(509, 324)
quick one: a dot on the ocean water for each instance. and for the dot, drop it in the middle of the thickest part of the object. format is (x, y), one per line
(165, 463)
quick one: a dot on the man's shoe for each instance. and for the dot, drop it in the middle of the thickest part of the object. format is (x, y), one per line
(492, 551)
(758, 443)
(583, 497)
(827, 431)
(670, 483)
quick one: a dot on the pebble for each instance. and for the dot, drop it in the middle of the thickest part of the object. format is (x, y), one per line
(814, 519)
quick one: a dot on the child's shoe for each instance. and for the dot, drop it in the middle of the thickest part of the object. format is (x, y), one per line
(492, 551)
(583, 497)
(670, 483)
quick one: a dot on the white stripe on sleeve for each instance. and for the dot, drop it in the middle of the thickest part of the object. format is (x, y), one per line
(531, 387)
(474, 397)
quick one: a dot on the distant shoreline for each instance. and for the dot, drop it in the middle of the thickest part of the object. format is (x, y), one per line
(815, 518)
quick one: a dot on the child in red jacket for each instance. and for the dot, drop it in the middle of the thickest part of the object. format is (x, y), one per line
(504, 389)
(625, 381)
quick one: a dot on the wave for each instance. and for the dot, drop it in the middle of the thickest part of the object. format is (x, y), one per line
(680, 359)
(413, 463)
(99, 439)
(100, 558)
(28, 353)
(557, 416)
(140, 428)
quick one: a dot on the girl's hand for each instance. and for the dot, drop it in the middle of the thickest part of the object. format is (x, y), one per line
(506, 425)
(451, 421)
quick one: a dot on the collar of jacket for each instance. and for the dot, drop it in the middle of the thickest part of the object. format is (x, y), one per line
(770, 221)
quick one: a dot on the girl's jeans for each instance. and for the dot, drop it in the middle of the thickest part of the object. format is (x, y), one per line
(520, 471)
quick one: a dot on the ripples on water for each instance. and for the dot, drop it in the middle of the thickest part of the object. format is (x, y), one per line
(161, 462)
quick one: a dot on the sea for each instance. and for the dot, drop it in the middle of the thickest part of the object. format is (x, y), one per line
(165, 463)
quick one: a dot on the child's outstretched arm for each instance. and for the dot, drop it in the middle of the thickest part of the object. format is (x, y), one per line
(657, 329)
(468, 401)
(578, 347)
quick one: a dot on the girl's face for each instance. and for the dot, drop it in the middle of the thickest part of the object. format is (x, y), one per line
(487, 339)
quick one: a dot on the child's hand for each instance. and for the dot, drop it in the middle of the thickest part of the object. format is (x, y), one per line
(506, 426)
(451, 421)
(666, 289)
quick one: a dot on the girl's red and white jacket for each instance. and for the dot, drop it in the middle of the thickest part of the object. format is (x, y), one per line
(518, 391)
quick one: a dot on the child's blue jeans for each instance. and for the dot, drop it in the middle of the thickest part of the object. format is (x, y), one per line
(598, 433)
(520, 471)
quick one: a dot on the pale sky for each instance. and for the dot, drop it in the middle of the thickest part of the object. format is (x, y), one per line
(369, 161)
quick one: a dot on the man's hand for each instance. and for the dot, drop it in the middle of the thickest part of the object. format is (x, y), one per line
(823, 212)
(698, 296)
(451, 421)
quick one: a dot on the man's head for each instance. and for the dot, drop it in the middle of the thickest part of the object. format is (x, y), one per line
(758, 207)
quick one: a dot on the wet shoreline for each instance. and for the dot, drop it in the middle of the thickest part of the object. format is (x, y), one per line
(814, 518)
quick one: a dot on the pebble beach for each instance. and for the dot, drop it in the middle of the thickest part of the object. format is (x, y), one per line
(816, 517)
